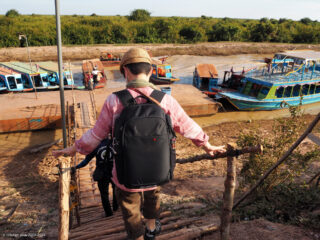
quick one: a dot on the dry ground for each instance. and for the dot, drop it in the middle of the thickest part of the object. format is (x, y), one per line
(29, 181)
(72, 53)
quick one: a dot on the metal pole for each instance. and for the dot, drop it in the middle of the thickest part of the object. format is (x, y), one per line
(32, 78)
(61, 84)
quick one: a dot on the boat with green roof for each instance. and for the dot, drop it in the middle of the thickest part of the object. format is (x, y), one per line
(32, 73)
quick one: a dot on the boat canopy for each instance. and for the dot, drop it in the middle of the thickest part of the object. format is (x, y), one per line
(303, 56)
(206, 70)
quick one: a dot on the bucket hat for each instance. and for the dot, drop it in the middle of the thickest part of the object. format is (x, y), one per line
(134, 55)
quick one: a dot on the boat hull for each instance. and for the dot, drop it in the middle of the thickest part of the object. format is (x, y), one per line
(162, 81)
(269, 104)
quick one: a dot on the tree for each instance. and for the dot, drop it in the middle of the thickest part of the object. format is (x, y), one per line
(224, 31)
(306, 21)
(190, 34)
(12, 13)
(139, 15)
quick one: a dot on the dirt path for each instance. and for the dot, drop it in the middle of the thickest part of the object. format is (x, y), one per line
(201, 49)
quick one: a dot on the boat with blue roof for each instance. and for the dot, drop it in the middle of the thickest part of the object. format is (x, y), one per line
(289, 79)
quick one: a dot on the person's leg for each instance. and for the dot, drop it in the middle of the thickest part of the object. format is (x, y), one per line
(151, 212)
(130, 204)
(104, 193)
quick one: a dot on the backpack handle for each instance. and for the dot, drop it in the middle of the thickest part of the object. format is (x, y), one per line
(148, 97)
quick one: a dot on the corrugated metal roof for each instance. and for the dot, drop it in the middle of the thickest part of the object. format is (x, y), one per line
(7, 71)
(305, 55)
(88, 65)
(207, 70)
(21, 67)
(50, 66)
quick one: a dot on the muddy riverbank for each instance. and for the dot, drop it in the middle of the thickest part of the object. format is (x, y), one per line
(72, 53)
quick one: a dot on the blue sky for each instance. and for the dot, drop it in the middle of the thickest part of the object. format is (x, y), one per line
(252, 9)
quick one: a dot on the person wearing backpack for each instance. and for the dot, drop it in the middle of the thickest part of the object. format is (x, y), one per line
(140, 164)
(102, 174)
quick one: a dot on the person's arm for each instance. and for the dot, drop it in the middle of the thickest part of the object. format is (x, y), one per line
(188, 128)
(92, 138)
(87, 159)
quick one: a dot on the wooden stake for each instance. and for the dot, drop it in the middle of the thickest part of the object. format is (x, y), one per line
(230, 185)
(281, 160)
(64, 196)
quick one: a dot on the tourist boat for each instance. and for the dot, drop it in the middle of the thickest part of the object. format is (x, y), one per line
(289, 79)
(11, 81)
(162, 74)
(31, 73)
(109, 60)
(87, 68)
(53, 74)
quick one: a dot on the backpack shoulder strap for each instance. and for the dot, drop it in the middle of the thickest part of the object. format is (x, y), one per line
(158, 95)
(125, 97)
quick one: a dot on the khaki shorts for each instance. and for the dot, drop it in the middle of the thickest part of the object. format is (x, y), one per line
(134, 205)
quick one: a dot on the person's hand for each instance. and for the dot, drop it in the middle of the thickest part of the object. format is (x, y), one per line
(213, 150)
(69, 151)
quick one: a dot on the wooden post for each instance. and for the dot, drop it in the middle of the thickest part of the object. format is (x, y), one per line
(228, 195)
(64, 196)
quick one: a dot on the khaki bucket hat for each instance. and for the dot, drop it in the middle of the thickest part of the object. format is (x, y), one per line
(134, 55)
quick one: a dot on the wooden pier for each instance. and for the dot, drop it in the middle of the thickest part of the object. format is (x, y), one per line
(23, 112)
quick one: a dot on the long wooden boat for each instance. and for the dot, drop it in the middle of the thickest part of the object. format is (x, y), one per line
(31, 74)
(288, 80)
(162, 74)
(88, 66)
(11, 81)
(109, 60)
(53, 74)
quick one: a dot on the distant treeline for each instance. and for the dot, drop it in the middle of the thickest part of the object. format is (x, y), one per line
(41, 30)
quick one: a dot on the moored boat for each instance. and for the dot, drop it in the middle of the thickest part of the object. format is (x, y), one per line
(93, 74)
(11, 81)
(53, 74)
(205, 78)
(289, 79)
(109, 60)
(162, 74)
(31, 73)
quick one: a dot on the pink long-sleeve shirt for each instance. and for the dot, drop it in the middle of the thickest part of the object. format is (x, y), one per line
(111, 110)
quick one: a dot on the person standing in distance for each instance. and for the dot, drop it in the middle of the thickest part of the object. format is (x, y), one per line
(136, 68)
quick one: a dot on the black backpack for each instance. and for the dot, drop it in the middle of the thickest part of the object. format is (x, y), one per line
(144, 142)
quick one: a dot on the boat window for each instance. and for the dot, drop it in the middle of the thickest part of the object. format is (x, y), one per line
(279, 92)
(264, 92)
(287, 92)
(37, 81)
(2, 83)
(255, 90)
(312, 88)
(247, 88)
(318, 89)
(305, 89)
(26, 82)
(19, 81)
(12, 82)
(296, 91)
(45, 78)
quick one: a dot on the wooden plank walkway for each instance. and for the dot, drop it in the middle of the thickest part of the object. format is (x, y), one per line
(94, 225)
